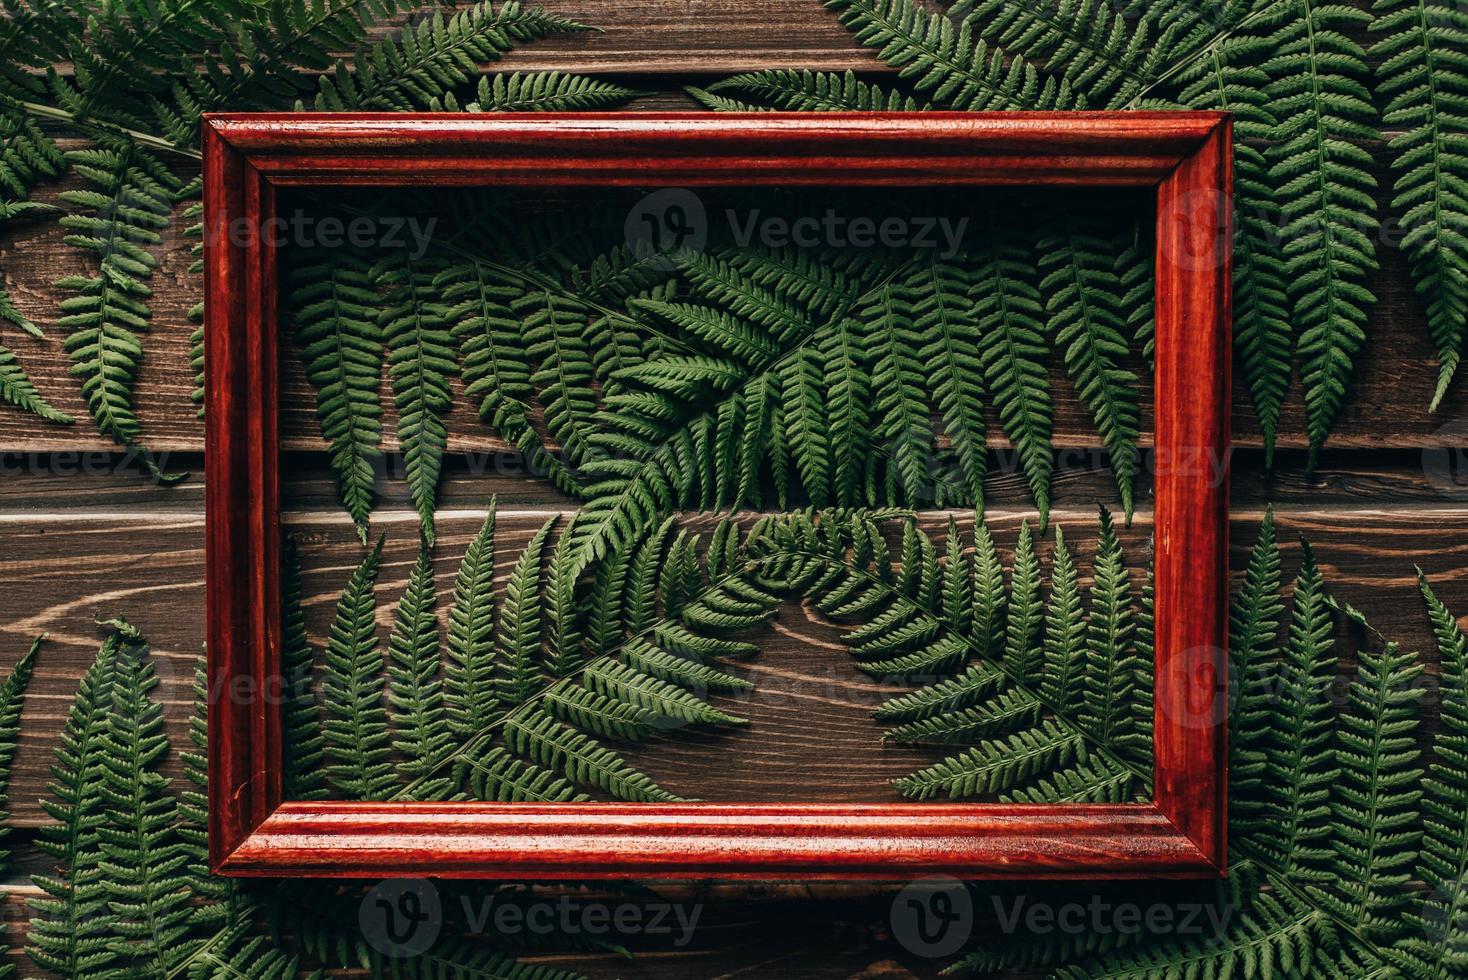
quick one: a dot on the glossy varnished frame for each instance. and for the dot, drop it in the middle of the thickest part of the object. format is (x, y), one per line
(253, 831)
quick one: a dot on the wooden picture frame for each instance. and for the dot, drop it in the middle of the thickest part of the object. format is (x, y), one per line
(1180, 833)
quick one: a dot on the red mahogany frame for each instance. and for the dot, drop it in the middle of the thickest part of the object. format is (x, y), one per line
(1180, 833)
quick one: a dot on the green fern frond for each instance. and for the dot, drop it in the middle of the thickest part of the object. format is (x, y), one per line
(70, 925)
(1012, 351)
(998, 765)
(272, 56)
(977, 684)
(1063, 681)
(495, 776)
(1423, 73)
(496, 366)
(549, 91)
(1294, 825)
(947, 63)
(1229, 79)
(1084, 300)
(12, 698)
(518, 643)
(420, 362)
(334, 304)
(1437, 945)
(435, 57)
(1324, 184)
(1113, 671)
(143, 862)
(470, 694)
(1278, 935)
(1375, 798)
(117, 218)
(1025, 611)
(553, 332)
(17, 389)
(414, 691)
(1254, 626)
(892, 344)
(546, 742)
(802, 91)
(943, 317)
(303, 777)
(563, 611)
(358, 744)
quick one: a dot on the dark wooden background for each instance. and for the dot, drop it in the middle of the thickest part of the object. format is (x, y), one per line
(87, 538)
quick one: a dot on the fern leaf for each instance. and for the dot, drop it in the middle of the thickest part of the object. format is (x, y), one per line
(1300, 769)
(434, 57)
(496, 366)
(1063, 683)
(803, 91)
(118, 217)
(1375, 798)
(17, 389)
(943, 316)
(947, 63)
(498, 777)
(549, 91)
(414, 692)
(142, 862)
(420, 361)
(518, 642)
(1083, 296)
(1008, 308)
(1022, 650)
(547, 742)
(1437, 947)
(1423, 74)
(563, 611)
(990, 597)
(975, 685)
(303, 777)
(1228, 79)
(1113, 670)
(996, 766)
(1323, 180)
(70, 923)
(892, 344)
(333, 300)
(470, 694)
(358, 744)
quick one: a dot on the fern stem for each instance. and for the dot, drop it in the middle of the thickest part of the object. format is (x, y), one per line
(142, 139)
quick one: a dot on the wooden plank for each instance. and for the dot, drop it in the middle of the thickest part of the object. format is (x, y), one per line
(813, 932)
(1387, 406)
(69, 570)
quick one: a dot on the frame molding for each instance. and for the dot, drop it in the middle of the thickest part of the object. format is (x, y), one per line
(1181, 833)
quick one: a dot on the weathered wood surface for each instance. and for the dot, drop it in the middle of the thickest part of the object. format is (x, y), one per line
(85, 541)
(811, 735)
(1387, 406)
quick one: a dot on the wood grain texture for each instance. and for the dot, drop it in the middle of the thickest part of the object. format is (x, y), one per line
(1386, 407)
(68, 571)
(85, 540)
